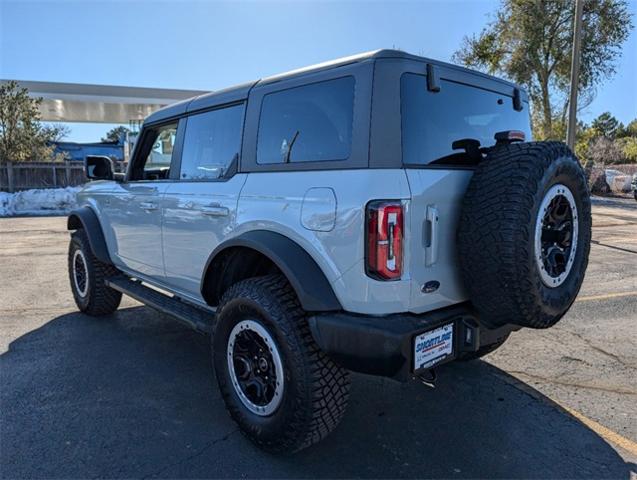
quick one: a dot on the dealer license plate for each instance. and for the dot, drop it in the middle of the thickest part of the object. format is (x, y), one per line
(433, 347)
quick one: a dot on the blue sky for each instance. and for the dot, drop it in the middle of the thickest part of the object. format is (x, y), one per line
(210, 45)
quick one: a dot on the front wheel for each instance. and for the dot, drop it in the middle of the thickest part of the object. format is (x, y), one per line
(87, 275)
(283, 391)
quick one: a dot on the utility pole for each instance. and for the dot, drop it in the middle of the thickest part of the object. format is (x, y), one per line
(575, 61)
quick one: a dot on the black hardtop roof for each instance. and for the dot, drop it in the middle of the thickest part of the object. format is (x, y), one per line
(240, 92)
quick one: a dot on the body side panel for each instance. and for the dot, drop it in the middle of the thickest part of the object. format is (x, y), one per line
(274, 201)
(133, 236)
(134, 215)
(97, 196)
(190, 234)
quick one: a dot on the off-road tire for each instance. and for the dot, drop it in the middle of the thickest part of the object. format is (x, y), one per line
(99, 299)
(497, 230)
(483, 350)
(316, 389)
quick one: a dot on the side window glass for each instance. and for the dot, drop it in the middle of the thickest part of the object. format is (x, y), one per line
(156, 153)
(311, 123)
(211, 143)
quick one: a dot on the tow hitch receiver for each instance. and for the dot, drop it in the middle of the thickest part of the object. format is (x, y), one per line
(428, 378)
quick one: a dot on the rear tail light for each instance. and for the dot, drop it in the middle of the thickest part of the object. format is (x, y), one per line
(384, 239)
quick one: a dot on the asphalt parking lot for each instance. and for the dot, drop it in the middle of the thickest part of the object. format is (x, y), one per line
(132, 395)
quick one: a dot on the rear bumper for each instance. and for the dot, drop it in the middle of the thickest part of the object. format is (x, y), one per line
(384, 345)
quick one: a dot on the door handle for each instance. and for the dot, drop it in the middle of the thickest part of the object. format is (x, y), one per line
(148, 206)
(215, 211)
(431, 248)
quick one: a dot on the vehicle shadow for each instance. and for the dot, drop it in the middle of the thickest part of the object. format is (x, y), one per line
(132, 395)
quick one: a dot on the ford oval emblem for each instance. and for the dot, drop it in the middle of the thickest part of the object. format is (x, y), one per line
(430, 287)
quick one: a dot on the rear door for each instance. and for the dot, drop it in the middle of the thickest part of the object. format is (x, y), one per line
(432, 120)
(135, 209)
(199, 207)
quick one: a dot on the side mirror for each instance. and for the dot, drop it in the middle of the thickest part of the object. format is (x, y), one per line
(99, 167)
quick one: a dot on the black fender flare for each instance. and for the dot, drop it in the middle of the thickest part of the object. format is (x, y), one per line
(86, 219)
(306, 278)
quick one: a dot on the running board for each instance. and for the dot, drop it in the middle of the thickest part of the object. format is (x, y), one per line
(195, 317)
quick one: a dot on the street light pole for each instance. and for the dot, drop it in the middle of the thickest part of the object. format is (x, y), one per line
(575, 61)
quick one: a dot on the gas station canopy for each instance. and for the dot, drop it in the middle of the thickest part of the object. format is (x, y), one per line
(74, 102)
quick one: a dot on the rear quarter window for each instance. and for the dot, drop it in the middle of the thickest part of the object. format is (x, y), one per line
(310, 123)
(432, 121)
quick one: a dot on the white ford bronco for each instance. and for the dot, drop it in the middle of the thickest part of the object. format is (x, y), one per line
(382, 213)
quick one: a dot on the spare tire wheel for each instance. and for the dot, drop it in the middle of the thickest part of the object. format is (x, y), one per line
(524, 234)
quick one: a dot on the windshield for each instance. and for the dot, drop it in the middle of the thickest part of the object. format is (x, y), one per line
(432, 121)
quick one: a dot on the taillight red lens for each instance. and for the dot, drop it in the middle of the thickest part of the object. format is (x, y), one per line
(385, 240)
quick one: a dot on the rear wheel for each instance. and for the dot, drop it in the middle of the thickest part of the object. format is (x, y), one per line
(283, 391)
(524, 234)
(87, 275)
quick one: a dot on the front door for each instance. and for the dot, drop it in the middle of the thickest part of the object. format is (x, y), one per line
(137, 216)
(199, 210)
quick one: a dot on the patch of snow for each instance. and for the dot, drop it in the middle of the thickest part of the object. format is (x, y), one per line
(49, 201)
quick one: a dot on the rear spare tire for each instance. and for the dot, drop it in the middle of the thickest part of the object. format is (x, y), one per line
(524, 234)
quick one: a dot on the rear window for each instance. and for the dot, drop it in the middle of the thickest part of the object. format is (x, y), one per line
(311, 123)
(432, 121)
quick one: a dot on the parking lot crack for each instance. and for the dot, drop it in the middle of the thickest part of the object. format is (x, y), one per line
(555, 381)
(614, 247)
(192, 456)
(615, 357)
